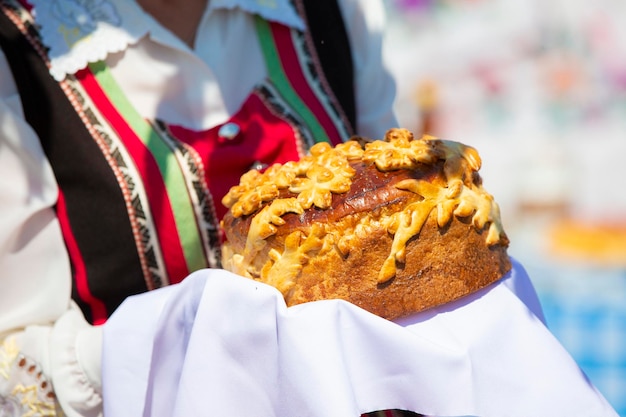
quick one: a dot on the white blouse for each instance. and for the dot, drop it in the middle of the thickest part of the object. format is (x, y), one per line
(164, 79)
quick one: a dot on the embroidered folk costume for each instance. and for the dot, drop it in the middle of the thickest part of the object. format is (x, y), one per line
(136, 157)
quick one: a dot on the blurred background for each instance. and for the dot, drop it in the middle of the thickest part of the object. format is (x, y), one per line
(539, 88)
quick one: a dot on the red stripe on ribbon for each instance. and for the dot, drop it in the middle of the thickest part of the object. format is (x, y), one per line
(153, 182)
(96, 306)
(293, 70)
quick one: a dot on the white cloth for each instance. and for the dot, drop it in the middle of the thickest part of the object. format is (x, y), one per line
(164, 79)
(221, 344)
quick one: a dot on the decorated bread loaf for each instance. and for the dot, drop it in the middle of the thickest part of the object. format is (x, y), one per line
(395, 226)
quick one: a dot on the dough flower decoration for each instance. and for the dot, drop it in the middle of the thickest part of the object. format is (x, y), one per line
(314, 179)
(365, 220)
(329, 173)
(256, 187)
(399, 150)
(282, 269)
(458, 198)
(317, 188)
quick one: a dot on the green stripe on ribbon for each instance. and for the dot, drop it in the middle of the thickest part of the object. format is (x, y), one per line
(169, 167)
(280, 80)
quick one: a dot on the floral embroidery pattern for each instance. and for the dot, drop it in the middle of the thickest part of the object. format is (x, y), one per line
(79, 18)
(24, 390)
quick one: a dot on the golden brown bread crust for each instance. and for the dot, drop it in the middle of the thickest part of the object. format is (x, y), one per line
(393, 237)
(437, 270)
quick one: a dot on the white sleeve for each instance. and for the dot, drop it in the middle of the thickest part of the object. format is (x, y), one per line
(45, 343)
(375, 88)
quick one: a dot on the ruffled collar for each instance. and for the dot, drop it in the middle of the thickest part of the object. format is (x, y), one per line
(79, 32)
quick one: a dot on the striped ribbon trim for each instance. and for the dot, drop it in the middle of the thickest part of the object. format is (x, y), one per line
(285, 67)
(163, 178)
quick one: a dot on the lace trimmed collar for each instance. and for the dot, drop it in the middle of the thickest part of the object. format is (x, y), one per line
(79, 32)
